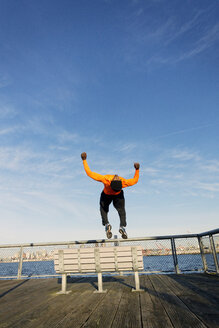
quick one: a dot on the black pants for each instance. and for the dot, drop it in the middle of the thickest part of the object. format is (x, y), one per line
(118, 203)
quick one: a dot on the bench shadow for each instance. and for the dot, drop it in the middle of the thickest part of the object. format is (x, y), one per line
(188, 303)
(13, 288)
(207, 312)
(165, 295)
(192, 284)
(94, 281)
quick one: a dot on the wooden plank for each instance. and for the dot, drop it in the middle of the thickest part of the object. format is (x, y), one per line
(152, 311)
(74, 311)
(61, 260)
(166, 302)
(8, 284)
(206, 288)
(99, 312)
(203, 304)
(207, 285)
(120, 256)
(20, 299)
(128, 314)
(92, 267)
(175, 308)
(45, 307)
(104, 314)
(122, 248)
(102, 250)
(92, 260)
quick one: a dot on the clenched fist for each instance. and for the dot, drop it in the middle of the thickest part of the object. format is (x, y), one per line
(83, 156)
(136, 166)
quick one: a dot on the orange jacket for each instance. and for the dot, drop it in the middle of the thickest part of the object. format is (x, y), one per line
(106, 179)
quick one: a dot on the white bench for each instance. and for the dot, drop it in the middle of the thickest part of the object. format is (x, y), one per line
(99, 260)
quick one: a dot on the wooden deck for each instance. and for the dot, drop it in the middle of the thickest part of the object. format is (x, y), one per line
(168, 301)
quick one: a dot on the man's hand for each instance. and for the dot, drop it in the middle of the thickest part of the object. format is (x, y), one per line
(136, 166)
(83, 156)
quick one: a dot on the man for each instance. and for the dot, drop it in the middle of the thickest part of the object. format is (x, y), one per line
(112, 192)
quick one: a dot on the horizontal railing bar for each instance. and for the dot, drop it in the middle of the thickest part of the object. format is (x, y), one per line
(211, 232)
(9, 277)
(35, 276)
(97, 241)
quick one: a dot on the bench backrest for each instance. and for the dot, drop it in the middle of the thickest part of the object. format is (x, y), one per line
(98, 259)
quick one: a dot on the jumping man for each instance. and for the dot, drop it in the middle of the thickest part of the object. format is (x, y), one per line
(112, 192)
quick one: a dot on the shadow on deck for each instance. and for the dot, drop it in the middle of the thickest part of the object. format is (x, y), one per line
(190, 300)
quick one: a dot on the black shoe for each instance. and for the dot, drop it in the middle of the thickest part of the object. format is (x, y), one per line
(123, 233)
(108, 229)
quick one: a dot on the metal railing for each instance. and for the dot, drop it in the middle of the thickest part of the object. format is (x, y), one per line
(161, 254)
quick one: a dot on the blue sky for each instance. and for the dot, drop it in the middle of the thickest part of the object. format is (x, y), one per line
(126, 81)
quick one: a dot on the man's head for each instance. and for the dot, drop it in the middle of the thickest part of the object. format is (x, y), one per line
(116, 183)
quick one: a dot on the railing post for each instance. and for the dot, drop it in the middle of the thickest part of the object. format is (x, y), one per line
(205, 267)
(20, 263)
(175, 260)
(214, 253)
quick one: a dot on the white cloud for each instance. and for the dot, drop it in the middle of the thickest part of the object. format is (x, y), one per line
(127, 147)
(179, 30)
(65, 136)
(203, 43)
(153, 42)
(211, 166)
(185, 155)
(5, 80)
(150, 171)
(180, 172)
(24, 160)
(9, 130)
(183, 131)
(208, 39)
(7, 111)
(214, 186)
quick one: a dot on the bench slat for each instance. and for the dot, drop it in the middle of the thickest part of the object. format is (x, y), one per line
(91, 254)
(102, 260)
(101, 249)
(92, 267)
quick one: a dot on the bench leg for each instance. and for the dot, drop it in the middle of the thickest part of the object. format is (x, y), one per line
(137, 283)
(100, 284)
(64, 285)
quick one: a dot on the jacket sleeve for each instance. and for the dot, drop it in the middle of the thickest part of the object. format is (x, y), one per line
(93, 175)
(131, 182)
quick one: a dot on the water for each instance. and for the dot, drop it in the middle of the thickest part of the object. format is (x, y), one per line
(187, 263)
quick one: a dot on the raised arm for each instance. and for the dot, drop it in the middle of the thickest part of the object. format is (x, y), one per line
(131, 182)
(93, 175)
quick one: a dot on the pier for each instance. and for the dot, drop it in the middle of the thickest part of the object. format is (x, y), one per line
(179, 285)
(186, 300)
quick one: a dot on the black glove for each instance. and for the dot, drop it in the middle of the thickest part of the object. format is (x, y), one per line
(83, 156)
(136, 166)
